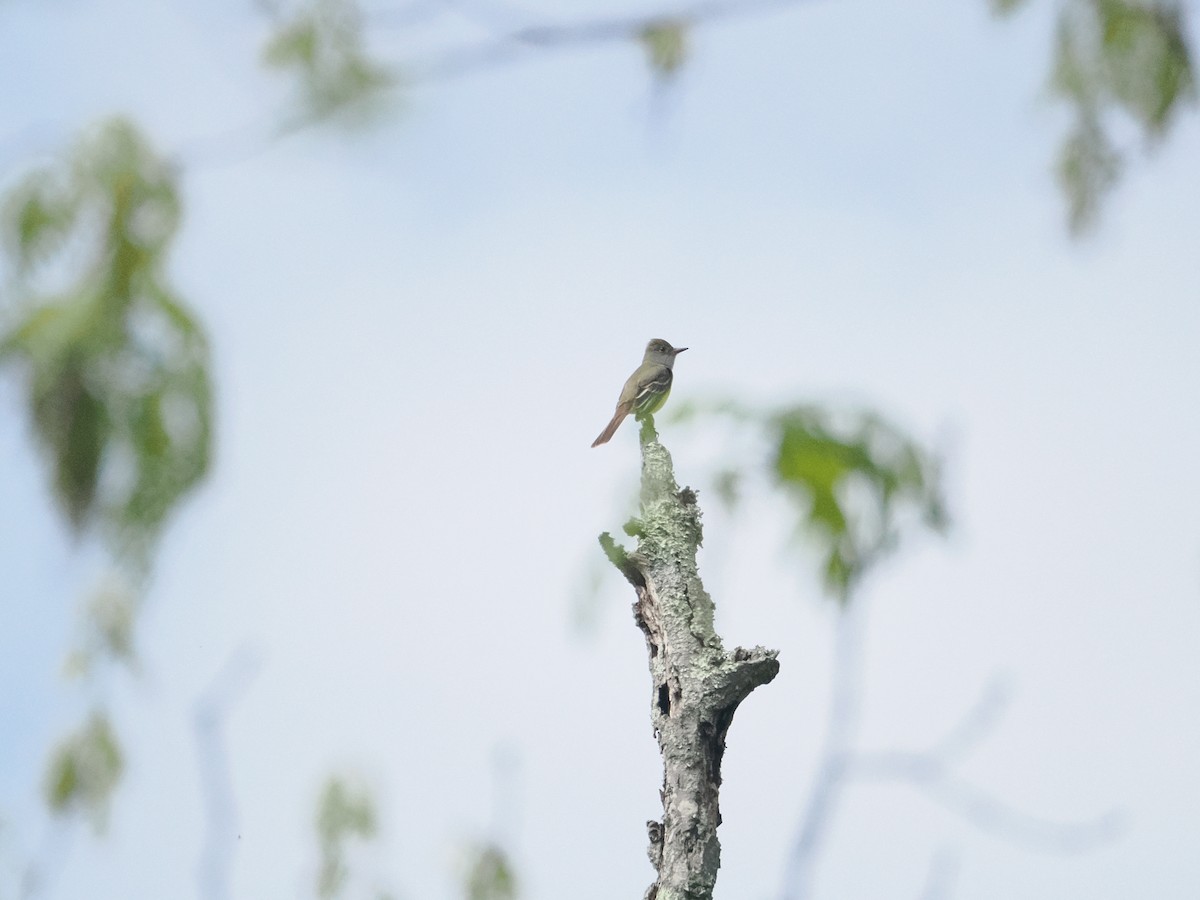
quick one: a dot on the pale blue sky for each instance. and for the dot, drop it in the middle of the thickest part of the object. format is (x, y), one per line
(419, 331)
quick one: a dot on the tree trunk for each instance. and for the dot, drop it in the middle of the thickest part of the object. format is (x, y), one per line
(696, 684)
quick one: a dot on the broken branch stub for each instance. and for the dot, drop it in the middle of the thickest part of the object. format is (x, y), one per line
(696, 684)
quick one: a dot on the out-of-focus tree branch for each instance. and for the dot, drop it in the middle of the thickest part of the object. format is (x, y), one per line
(943, 870)
(830, 776)
(345, 811)
(932, 772)
(1113, 60)
(216, 780)
(38, 875)
(510, 45)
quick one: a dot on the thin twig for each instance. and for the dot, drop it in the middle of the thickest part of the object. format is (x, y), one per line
(51, 857)
(943, 871)
(497, 19)
(417, 13)
(829, 780)
(523, 42)
(983, 811)
(216, 782)
(979, 721)
(506, 46)
(930, 770)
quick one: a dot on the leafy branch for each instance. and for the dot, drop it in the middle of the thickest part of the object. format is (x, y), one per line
(116, 383)
(1114, 61)
(115, 365)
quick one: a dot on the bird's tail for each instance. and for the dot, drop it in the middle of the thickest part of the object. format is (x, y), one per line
(611, 428)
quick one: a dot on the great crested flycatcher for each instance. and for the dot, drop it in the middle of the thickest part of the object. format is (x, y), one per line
(647, 388)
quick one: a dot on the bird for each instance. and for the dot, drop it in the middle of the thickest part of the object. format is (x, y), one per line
(646, 389)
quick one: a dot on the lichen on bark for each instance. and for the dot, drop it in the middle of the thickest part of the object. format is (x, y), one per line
(697, 685)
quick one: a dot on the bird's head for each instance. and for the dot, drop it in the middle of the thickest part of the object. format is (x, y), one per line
(659, 350)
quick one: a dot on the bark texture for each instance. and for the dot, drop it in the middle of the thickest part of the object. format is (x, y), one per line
(696, 684)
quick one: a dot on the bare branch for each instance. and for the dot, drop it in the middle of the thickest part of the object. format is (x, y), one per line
(930, 770)
(410, 14)
(497, 19)
(513, 45)
(982, 810)
(515, 35)
(979, 721)
(943, 871)
(829, 780)
(211, 711)
(39, 874)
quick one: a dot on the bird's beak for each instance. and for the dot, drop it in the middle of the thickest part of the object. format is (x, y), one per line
(679, 350)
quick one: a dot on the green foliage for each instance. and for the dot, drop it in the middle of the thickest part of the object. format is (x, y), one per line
(1072, 74)
(852, 481)
(108, 624)
(343, 811)
(323, 47)
(1127, 58)
(43, 210)
(1088, 167)
(84, 769)
(728, 485)
(489, 874)
(116, 367)
(856, 481)
(1144, 59)
(1006, 7)
(666, 45)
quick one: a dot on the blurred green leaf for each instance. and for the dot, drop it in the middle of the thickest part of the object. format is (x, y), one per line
(295, 44)
(77, 664)
(690, 410)
(1073, 74)
(109, 617)
(116, 367)
(74, 423)
(324, 50)
(1088, 167)
(39, 214)
(666, 45)
(1006, 7)
(343, 812)
(1126, 57)
(728, 485)
(854, 477)
(84, 769)
(585, 605)
(859, 483)
(489, 874)
(1146, 59)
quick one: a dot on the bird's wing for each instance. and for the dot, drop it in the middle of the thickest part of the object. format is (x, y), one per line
(651, 386)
